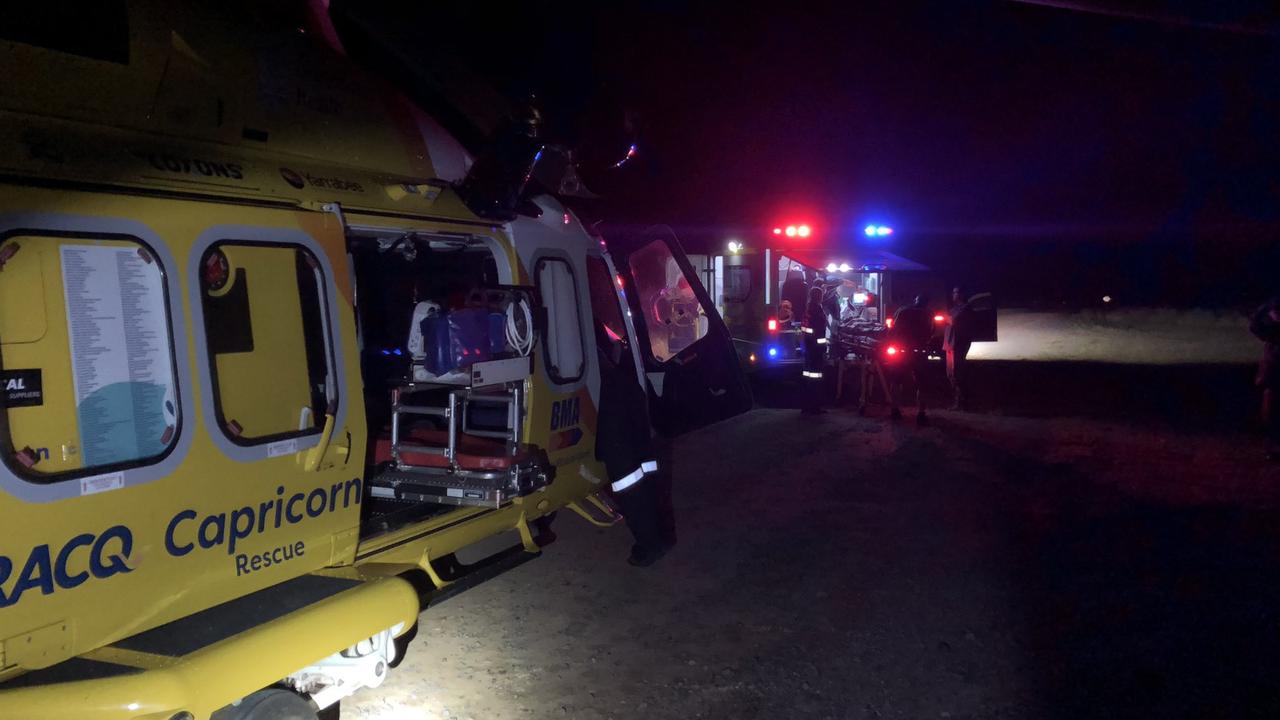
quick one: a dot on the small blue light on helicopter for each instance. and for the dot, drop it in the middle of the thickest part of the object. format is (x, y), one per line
(773, 352)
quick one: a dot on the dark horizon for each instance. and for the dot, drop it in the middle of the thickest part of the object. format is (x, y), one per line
(1125, 151)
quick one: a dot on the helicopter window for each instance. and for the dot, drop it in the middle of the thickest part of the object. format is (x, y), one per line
(100, 31)
(604, 300)
(266, 328)
(562, 347)
(104, 298)
(673, 315)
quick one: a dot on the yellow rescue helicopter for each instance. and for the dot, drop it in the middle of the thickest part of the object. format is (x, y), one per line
(266, 371)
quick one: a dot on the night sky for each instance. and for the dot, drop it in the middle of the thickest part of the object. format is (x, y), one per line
(1050, 153)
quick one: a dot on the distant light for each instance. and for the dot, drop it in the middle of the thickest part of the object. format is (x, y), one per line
(772, 324)
(566, 218)
(860, 298)
(939, 318)
(870, 230)
(777, 231)
(1106, 298)
(773, 352)
(631, 153)
(888, 323)
(734, 246)
(803, 231)
(877, 230)
(831, 267)
(844, 267)
(791, 231)
(882, 231)
(752, 357)
(891, 351)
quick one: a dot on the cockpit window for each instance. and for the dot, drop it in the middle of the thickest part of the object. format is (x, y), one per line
(97, 30)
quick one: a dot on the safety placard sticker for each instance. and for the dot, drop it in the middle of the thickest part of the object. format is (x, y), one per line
(101, 483)
(283, 447)
(122, 366)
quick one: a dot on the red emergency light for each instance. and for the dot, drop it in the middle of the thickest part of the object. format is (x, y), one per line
(939, 318)
(891, 351)
(801, 230)
(772, 324)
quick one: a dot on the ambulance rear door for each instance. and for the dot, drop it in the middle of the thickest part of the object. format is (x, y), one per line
(694, 376)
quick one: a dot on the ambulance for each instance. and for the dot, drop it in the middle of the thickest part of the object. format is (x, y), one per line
(276, 357)
(761, 282)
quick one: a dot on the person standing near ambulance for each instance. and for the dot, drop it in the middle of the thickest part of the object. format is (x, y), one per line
(815, 351)
(625, 445)
(956, 341)
(912, 326)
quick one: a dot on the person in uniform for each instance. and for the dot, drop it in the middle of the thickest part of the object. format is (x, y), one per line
(912, 327)
(815, 351)
(1265, 325)
(956, 341)
(624, 444)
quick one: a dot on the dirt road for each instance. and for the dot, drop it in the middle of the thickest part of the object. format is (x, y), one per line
(986, 567)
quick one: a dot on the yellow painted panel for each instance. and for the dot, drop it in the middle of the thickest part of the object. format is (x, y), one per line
(265, 390)
(21, 295)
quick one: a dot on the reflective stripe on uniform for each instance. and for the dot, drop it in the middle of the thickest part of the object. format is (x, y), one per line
(649, 466)
(628, 480)
(822, 341)
(807, 329)
(809, 374)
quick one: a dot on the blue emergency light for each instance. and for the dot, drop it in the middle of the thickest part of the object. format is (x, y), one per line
(773, 352)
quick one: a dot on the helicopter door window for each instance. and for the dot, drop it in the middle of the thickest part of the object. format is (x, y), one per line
(674, 316)
(268, 338)
(562, 347)
(604, 300)
(87, 371)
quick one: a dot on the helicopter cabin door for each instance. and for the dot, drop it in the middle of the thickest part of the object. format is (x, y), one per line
(694, 375)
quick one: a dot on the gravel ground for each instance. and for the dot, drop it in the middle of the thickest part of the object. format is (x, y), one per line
(989, 566)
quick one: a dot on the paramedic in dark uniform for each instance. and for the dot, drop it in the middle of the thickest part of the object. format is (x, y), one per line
(1265, 325)
(815, 351)
(956, 341)
(912, 327)
(625, 446)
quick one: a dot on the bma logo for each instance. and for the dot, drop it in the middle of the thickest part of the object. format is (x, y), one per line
(565, 413)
